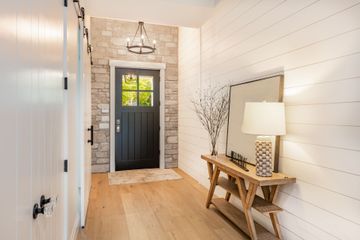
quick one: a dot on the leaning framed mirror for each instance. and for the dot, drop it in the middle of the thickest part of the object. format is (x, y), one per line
(268, 89)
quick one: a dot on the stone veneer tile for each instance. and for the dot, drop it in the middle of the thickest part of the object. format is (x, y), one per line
(108, 38)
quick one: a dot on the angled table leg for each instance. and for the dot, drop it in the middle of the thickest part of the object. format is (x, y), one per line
(210, 170)
(247, 199)
(270, 194)
(213, 183)
(228, 194)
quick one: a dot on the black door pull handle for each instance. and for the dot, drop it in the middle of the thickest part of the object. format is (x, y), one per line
(37, 210)
(91, 140)
(40, 208)
(44, 201)
(46, 206)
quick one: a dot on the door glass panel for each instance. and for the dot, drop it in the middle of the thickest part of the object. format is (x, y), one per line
(129, 82)
(146, 99)
(146, 82)
(129, 98)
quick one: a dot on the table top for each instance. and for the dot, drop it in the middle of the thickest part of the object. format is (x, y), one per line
(224, 163)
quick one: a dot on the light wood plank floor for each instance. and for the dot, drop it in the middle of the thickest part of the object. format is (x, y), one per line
(160, 210)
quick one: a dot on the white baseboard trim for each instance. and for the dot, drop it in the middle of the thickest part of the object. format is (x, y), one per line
(75, 228)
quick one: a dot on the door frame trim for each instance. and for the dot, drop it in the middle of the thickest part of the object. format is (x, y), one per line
(137, 65)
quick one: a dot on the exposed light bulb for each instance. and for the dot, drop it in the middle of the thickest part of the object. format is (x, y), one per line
(128, 39)
(142, 36)
(154, 42)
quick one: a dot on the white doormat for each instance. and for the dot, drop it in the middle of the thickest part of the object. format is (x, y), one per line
(142, 176)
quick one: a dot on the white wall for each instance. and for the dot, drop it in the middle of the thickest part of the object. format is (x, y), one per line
(316, 45)
(31, 117)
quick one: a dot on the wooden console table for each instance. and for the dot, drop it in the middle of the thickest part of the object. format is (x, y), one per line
(235, 186)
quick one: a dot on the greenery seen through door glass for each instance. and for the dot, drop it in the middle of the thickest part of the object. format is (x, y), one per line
(129, 98)
(145, 83)
(129, 82)
(146, 99)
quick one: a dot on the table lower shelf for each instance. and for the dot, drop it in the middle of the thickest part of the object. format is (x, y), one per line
(237, 217)
(259, 204)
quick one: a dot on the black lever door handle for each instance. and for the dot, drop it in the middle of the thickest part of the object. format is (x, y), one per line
(44, 201)
(37, 210)
(40, 208)
(91, 140)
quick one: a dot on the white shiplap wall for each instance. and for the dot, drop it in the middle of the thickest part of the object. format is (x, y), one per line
(316, 44)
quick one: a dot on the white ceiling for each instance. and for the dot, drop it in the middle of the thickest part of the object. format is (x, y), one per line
(187, 13)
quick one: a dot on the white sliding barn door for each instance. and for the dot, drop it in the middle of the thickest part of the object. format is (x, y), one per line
(85, 124)
(31, 117)
(73, 128)
(78, 97)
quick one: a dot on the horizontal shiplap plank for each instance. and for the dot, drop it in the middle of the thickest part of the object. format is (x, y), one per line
(198, 148)
(332, 136)
(333, 158)
(223, 9)
(340, 205)
(332, 180)
(226, 13)
(288, 234)
(325, 114)
(324, 221)
(229, 14)
(339, 45)
(347, 90)
(336, 69)
(247, 16)
(302, 228)
(280, 13)
(283, 38)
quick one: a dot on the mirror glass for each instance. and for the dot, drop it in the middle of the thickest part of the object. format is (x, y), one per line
(266, 89)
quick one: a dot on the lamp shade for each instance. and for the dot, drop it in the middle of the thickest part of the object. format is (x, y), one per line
(264, 118)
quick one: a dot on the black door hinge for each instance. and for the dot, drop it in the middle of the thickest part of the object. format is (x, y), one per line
(66, 167)
(65, 3)
(65, 83)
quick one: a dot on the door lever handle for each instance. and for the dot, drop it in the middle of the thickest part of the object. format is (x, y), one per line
(44, 201)
(45, 207)
(37, 210)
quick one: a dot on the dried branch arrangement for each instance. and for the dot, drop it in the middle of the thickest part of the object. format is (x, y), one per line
(211, 106)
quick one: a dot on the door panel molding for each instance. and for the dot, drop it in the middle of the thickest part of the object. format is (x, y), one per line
(136, 65)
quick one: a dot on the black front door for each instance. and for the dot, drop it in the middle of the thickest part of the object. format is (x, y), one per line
(136, 119)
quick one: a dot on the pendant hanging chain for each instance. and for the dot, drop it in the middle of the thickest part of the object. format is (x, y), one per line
(146, 35)
(141, 25)
(137, 30)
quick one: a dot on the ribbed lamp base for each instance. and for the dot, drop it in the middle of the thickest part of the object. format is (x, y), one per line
(263, 158)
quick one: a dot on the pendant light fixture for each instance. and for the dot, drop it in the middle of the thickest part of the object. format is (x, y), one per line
(140, 43)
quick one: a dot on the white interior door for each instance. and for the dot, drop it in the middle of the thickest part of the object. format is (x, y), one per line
(31, 117)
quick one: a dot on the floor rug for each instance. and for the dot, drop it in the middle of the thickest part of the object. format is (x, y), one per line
(142, 176)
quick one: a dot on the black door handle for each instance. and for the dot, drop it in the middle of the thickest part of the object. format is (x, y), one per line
(40, 208)
(37, 210)
(91, 140)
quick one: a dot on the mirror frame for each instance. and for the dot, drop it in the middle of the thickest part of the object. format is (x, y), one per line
(280, 99)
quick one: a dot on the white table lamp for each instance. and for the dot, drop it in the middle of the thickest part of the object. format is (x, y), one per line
(264, 119)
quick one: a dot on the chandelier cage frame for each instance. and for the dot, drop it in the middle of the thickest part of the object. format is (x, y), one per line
(144, 46)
